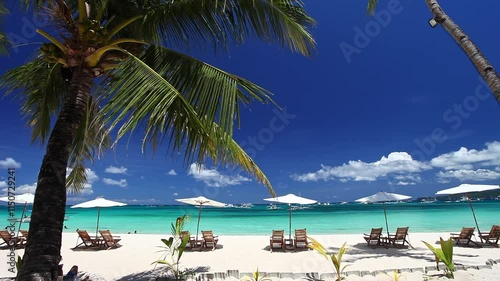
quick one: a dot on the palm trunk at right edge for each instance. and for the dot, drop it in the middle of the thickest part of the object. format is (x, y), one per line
(43, 249)
(477, 58)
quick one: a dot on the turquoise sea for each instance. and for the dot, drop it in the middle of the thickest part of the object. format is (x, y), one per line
(258, 220)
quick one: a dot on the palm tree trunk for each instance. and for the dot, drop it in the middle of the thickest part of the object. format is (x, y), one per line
(477, 58)
(43, 249)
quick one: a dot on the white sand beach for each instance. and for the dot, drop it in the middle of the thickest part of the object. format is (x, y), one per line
(236, 256)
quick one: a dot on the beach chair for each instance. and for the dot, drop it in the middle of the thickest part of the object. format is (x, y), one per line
(276, 241)
(24, 233)
(400, 237)
(464, 237)
(374, 237)
(108, 240)
(209, 239)
(87, 240)
(191, 242)
(10, 241)
(491, 237)
(300, 239)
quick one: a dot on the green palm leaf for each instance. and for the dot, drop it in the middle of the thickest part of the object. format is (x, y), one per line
(201, 23)
(372, 5)
(43, 88)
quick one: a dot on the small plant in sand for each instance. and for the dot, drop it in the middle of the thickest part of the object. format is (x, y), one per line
(445, 254)
(395, 276)
(256, 276)
(336, 260)
(174, 247)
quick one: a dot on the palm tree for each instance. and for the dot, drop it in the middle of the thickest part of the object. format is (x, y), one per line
(116, 66)
(4, 43)
(480, 62)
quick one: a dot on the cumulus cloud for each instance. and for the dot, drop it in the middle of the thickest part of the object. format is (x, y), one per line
(20, 189)
(120, 183)
(212, 177)
(171, 173)
(116, 170)
(467, 158)
(395, 164)
(469, 175)
(9, 163)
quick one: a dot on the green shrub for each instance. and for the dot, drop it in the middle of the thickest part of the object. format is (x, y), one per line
(445, 254)
(336, 260)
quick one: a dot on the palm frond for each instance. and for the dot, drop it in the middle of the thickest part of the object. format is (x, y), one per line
(41, 87)
(372, 5)
(141, 97)
(91, 138)
(214, 93)
(186, 24)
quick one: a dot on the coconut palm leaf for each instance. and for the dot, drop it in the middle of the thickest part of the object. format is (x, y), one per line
(43, 87)
(201, 23)
(214, 93)
(372, 5)
(90, 141)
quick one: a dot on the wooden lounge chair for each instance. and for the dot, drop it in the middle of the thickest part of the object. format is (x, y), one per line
(491, 237)
(24, 233)
(10, 241)
(209, 239)
(301, 239)
(191, 242)
(374, 237)
(108, 240)
(464, 237)
(400, 237)
(276, 241)
(87, 240)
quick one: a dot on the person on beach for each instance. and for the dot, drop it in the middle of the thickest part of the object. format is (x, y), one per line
(72, 274)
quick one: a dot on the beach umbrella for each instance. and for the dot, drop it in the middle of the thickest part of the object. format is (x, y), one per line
(291, 199)
(200, 202)
(382, 197)
(98, 203)
(25, 198)
(467, 189)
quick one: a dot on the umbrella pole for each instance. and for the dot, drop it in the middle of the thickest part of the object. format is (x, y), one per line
(385, 215)
(198, 225)
(22, 217)
(97, 226)
(473, 214)
(290, 226)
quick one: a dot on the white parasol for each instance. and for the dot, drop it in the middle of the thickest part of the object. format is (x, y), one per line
(98, 203)
(383, 197)
(200, 201)
(291, 199)
(467, 189)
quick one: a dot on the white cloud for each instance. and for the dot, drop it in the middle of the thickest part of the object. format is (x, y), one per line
(175, 194)
(466, 159)
(213, 177)
(116, 170)
(469, 175)
(405, 183)
(396, 163)
(25, 188)
(3, 184)
(9, 163)
(172, 173)
(120, 183)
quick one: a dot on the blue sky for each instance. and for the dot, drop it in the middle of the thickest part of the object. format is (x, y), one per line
(387, 103)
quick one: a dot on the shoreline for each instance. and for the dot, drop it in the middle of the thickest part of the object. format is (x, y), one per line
(244, 254)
